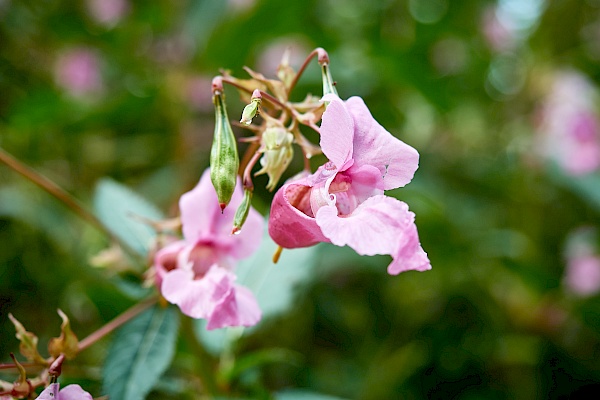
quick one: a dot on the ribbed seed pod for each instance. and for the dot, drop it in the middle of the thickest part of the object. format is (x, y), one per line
(224, 161)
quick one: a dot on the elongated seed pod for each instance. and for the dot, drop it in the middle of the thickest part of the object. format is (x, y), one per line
(242, 212)
(224, 161)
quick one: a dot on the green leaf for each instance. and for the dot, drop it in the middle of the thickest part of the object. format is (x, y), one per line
(120, 209)
(141, 351)
(274, 284)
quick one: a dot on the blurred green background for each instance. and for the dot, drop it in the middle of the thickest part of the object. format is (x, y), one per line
(121, 88)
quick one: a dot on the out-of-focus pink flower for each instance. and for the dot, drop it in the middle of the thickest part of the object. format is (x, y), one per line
(583, 275)
(70, 392)
(569, 132)
(498, 35)
(77, 71)
(199, 94)
(196, 273)
(343, 201)
(107, 12)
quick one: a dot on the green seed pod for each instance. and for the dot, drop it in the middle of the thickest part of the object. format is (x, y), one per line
(328, 83)
(224, 161)
(242, 212)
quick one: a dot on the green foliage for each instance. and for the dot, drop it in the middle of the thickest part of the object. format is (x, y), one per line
(126, 214)
(493, 319)
(141, 352)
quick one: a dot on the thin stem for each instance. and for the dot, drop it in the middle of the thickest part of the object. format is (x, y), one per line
(116, 323)
(206, 362)
(303, 67)
(247, 178)
(252, 149)
(266, 96)
(13, 366)
(62, 195)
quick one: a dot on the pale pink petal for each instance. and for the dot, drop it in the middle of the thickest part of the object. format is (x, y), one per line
(202, 219)
(201, 215)
(289, 224)
(380, 225)
(50, 393)
(196, 298)
(237, 308)
(373, 145)
(74, 392)
(245, 242)
(166, 259)
(337, 132)
(366, 182)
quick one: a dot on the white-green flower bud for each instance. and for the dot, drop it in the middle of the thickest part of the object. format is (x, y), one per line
(278, 153)
(252, 109)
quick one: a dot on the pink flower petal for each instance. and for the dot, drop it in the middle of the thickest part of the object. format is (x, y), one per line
(166, 259)
(380, 225)
(366, 182)
(290, 226)
(74, 392)
(196, 298)
(337, 132)
(245, 242)
(200, 212)
(202, 219)
(373, 145)
(50, 393)
(237, 308)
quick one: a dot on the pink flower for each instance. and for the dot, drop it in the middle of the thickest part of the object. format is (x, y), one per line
(70, 392)
(343, 201)
(196, 273)
(107, 12)
(569, 132)
(583, 275)
(77, 71)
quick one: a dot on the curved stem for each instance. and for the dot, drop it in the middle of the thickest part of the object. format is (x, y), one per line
(63, 196)
(247, 177)
(312, 54)
(116, 323)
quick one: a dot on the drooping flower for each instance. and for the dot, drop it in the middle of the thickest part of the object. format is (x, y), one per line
(70, 392)
(196, 273)
(343, 202)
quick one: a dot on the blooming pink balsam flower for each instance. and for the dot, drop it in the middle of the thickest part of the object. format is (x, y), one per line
(343, 202)
(70, 392)
(196, 273)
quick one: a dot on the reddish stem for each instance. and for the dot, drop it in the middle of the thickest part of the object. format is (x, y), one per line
(247, 178)
(62, 195)
(322, 58)
(117, 322)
